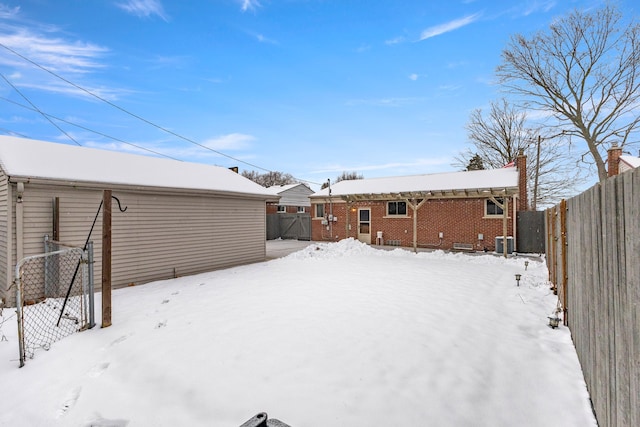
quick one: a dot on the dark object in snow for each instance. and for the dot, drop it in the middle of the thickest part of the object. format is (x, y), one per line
(261, 420)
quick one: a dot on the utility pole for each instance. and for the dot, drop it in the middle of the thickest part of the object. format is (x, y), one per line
(534, 202)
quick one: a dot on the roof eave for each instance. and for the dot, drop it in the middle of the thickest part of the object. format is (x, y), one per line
(97, 185)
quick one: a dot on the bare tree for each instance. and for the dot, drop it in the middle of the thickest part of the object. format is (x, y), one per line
(585, 71)
(475, 163)
(345, 176)
(270, 179)
(499, 136)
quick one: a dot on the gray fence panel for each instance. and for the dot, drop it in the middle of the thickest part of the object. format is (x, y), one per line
(273, 226)
(603, 292)
(531, 232)
(289, 226)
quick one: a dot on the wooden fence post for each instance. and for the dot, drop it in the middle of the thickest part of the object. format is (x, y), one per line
(106, 258)
(563, 258)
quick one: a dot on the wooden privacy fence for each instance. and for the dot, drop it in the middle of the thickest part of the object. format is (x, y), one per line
(593, 255)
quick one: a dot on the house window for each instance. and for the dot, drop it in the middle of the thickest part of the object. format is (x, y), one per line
(282, 209)
(397, 208)
(300, 209)
(491, 209)
(319, 210)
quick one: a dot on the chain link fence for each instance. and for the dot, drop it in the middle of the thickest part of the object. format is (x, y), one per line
(54, 296)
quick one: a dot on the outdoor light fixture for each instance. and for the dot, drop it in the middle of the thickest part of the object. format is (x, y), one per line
(526, 264)
(518, 276)
(554, 321)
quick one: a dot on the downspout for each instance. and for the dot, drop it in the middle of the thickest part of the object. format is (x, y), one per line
(19, 221)
(505, 213)
(515, 212)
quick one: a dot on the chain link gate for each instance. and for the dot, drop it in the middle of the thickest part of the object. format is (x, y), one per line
(54, 296)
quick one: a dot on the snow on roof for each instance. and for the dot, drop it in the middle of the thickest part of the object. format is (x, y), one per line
(27, 158)
(632, 161)
(471, 180)
(277, 189)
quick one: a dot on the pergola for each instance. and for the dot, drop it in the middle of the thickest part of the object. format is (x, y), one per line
(416, 199)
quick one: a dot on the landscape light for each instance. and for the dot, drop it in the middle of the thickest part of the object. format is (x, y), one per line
(518, 276)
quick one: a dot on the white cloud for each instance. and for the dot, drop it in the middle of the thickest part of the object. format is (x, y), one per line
(249, 4)
(413, 77)
(144, 8)
(7, 12)
(262, 39)
(55, 54)
(232, 141)
(395, 40)
(545, 6)
(28, 43)
(437, 30)
(382, 102)
(419, 163)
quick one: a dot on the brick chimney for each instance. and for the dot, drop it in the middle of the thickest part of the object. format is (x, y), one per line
(521, 164)
(613, 159)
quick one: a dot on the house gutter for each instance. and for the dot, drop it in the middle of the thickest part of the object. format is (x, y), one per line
(96, 185)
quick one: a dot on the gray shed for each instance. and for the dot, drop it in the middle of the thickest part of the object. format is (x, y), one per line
(182, 218)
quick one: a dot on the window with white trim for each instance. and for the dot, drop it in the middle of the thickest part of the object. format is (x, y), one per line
(300, 209)
(319, 211)
(282, 209)
(491, 209)
(397, 208)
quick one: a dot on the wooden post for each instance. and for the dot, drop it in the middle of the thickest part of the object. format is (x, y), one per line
(563, 249)
(505, 215)
(106, 258)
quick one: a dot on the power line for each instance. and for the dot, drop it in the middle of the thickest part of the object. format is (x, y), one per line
(128, 112)
(38, 110)
(132, 114)
(89, 130)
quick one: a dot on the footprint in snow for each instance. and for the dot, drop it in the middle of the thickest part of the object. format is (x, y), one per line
(161, 324)
(118, 341)
(103, 422)
(70, 402)
(98, 369)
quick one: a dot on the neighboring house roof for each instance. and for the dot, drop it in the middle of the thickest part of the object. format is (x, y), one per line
(474, 183)
(292, 194)
(30, 159)
(630, 161)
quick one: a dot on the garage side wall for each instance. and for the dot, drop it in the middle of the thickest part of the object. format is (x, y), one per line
(160, 236)
(5, 273)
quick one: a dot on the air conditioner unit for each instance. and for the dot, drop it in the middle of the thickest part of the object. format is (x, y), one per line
(500, 247)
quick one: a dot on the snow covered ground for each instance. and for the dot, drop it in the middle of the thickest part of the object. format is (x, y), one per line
(337, 334)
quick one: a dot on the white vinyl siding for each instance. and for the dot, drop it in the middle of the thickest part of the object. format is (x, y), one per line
(158, 236)
(296, 196)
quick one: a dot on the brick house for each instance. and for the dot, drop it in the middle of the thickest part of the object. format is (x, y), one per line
(294, 198)
(457, 210)
(618, 163)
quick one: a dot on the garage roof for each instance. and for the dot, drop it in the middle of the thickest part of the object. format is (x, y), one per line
(30, 159)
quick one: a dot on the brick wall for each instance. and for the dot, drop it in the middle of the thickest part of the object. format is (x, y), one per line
(613, 160)
(460, 221)
(273, 208)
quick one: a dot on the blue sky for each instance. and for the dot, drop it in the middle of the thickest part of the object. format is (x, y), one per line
(307, 87)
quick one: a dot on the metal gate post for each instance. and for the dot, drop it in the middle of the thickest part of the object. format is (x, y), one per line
(92, 320)
(18, 284)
